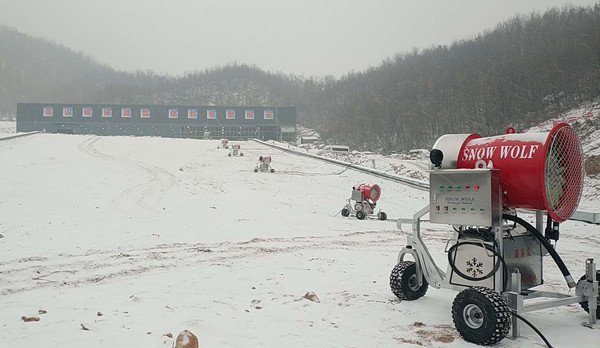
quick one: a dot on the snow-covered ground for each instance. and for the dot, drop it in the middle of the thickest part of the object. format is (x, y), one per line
(7, 127)
(121, 241)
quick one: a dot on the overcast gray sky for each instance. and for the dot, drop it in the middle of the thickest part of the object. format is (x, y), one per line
(304, 37)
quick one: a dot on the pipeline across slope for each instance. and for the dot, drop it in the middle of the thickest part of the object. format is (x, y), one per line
(17, 135)
(403, 180)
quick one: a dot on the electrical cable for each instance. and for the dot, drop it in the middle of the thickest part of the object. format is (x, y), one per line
(457, 229)
(559, 262)
(533, 327)
(345, 169)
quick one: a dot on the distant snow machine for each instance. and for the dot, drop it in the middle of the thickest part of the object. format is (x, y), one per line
(235, 151)
(264, 165)
(224, 144)
(365, 197)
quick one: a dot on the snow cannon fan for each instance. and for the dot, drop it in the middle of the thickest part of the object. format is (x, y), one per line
(365, 198)
(476, 184)
(264, 165)
(539, 171)
(370, 192)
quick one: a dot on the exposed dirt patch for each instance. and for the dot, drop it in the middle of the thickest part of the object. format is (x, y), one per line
(429, 336)
(409, 341)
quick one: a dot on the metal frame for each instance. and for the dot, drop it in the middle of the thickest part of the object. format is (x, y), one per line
(415, 246)
(516, 298)
(366, 208)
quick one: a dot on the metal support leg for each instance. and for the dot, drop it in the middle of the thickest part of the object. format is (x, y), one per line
(539, 220)
(515, 301)
(590, 274)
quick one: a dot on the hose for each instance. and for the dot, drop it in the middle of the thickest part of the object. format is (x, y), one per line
(533, 328)
(559, 262)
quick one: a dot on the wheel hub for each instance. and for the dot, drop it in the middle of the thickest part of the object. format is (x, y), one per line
(413, 284)
(473, 316)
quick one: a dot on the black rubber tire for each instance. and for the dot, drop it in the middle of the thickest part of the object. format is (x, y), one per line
(272, 170)
(228, 155)
(403, 282)
(360, 215)
(255, 170)
(584, 304)
(481, 315)
(345, 212)
(241, 154)
(382, 216)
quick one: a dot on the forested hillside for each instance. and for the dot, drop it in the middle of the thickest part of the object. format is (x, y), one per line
(522, 72)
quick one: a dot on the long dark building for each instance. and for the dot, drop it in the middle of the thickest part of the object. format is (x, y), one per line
(172, 121)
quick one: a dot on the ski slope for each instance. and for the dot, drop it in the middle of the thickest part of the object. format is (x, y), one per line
(124, 240)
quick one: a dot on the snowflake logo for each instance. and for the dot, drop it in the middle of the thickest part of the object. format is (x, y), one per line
(474, 267)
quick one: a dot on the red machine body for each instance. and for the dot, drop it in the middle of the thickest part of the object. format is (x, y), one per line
(370, 192)
(541, 171)
(264, 159)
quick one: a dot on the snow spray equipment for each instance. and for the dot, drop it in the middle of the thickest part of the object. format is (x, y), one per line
(264, 165)
(224, 144)
(235, 150)
(495, 257)
(365, 199)
(539, 171)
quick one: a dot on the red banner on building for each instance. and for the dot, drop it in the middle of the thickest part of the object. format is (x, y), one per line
(211, 114)
(126, 112)
(106, 112)
(68, 111)
(48, 111)
(86, 112)
(230, 114)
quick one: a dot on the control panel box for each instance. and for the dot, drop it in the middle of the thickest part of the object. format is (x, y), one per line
(356, 196)
(464, 196)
